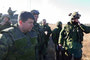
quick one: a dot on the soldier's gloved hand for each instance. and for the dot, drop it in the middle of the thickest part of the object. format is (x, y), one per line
(78, 22)
(46, 32)
(59, 46)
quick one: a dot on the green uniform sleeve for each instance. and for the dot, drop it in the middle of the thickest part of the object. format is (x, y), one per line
(86, 29)
(54, 36)
(3, 47)
(48, 29)
(62, 36)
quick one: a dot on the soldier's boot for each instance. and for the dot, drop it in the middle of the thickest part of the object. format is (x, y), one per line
(58, 55)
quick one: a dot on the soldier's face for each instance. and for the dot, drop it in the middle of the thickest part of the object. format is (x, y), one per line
(44, 22)
(36, 17)
(5, 19)
(27, 25)
(76, 20)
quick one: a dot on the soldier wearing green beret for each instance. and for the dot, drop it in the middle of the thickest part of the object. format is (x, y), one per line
(71, 37)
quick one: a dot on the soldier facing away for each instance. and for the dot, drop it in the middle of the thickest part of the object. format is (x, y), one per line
(18, 43)
(71, 37)
(55, 37)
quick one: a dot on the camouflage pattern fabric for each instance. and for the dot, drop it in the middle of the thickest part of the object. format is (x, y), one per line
(47, 31)
(15, 45)
(55, 38)
(40, 37)
(71, 38)
(56, 31)
(7, 25)
(55, 35)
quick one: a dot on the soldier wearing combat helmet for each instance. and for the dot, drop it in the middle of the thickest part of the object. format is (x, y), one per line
(55, 37)
(40, 34)
(71, 37)
(5, 23)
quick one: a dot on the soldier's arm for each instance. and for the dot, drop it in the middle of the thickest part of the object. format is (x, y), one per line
(3, 47)
(49, 31)
(54, 38)
(61, 37)
(86, 29)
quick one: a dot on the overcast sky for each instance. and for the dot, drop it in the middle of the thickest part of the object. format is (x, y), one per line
(51, 10)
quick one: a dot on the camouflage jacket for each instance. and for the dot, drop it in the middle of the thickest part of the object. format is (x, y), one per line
(40, 37)
(7, 25)
(47, 30)
(55, 35)
(15, 45)
(40, 33)
(71, 36)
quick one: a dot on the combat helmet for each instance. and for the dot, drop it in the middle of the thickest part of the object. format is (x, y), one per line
(6, 15)
(74, 15)
(59, 23)
(35, 12)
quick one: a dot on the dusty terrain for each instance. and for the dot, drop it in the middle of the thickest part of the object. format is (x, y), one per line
(86, 44)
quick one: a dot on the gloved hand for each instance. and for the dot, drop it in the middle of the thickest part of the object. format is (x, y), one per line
(60, 48)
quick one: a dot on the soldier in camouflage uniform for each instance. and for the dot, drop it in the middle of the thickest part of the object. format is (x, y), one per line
(18, 43)
(47, 32)
(10, 12)
(55, 37)
(40, 34)
(5, 23)
(71, 37)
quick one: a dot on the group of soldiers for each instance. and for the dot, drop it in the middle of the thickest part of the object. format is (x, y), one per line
(5, 19)
(29, 41)
(26, 40)
(71, 38)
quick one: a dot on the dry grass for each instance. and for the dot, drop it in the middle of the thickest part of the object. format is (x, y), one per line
(86, 47)
(86, 44)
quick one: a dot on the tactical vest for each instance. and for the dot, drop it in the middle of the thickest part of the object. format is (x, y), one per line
(40, 38)
(74, 36)
(40, 32)
(23, 47)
